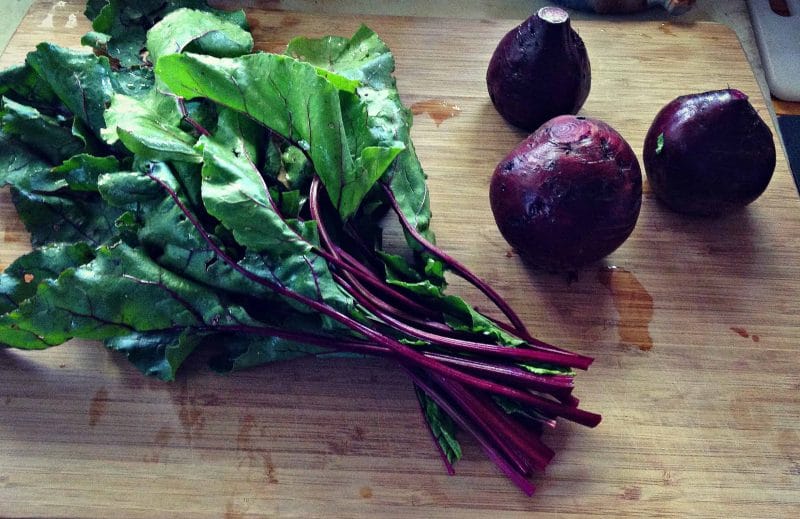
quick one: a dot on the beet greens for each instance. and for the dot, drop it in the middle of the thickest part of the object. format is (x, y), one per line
(203, 195)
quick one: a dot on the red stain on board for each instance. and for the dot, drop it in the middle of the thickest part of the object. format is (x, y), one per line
(98, 406)
(438, 109)
(631, 493)
(160, 441)
(741, 332)
(190, 412)
(254, 456)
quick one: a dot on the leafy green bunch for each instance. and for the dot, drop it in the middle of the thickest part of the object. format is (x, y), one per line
(182, 190)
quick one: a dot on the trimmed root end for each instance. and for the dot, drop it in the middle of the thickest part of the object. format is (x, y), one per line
(554, 15)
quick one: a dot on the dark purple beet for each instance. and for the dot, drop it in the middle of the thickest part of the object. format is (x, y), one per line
(539, 70)
(708, 153)
(569, 194)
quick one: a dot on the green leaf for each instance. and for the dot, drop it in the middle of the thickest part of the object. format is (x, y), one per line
(93, 8)
(50, 137)
(118, 293)
(199, 32)
(235, 193)
(150, 128)
(241, 351)
(547, 369)
(298, 170)
(513, 407)
(164, 231)
(126, 22)
(363, 58)
(82, 171)
(266, 87)
(157, 354)
(441, 425)
(134, 81)
(65, 217)
(22, 84)
(23, 169)
(459, 315)
(128, 189)
(20, 279)
(367, 59)
(80, 80)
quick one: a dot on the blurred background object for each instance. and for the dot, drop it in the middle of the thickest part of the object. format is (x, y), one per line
(776, 25)
(675, 7)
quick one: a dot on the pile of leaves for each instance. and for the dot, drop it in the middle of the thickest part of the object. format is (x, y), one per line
(182, 190)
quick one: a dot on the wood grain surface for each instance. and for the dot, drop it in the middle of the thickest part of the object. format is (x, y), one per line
(693, 324)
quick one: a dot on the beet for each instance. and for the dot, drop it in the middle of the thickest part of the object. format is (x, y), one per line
(709, 153)
(539, 70)
(569, 194)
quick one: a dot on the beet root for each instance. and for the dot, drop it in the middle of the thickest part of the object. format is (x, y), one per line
(708, 154)
(569, 194)
(539, 70)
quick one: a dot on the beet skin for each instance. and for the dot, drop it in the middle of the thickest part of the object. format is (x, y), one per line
(708, 153)
(539, 70)
(569, 194)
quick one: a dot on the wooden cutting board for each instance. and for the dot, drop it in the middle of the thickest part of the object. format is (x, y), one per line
(693, 324)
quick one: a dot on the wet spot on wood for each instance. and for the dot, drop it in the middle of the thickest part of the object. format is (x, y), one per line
(207, 399)
(269, 468)
(290, 20)
(438, 109)
(631, 493)
(246, 425)
(747, 415)
(163, 436)
(755, 338)
(365, 492)
(339, 446)
(190, 412)
(633, 303)
(98, 406)
(358, 433)
(161, 440)
(253, 23)
(231, 512)
(253, 455)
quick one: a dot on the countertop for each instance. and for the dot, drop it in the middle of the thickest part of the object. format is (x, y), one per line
(692, 324)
